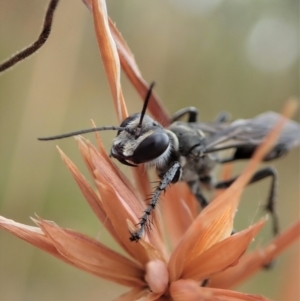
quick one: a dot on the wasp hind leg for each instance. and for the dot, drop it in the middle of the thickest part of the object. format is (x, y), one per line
(271, 202)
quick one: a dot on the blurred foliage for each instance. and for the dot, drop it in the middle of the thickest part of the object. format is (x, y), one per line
(197, 59)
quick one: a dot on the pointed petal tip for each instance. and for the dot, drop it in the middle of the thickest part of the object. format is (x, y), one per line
(110, 57)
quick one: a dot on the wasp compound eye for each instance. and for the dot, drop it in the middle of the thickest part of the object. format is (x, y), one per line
(151, 147)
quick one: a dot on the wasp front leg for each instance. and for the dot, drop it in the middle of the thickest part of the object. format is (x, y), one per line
(193, 115)
(171, 176)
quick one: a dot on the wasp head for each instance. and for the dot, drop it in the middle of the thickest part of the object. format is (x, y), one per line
(143, 140)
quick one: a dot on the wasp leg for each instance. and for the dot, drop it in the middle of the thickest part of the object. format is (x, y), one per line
(192, 113)
(270, 206)
(171, 176)
(222, 117)
(195, 189)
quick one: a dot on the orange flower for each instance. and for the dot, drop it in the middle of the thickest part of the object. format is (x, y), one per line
(202, 247)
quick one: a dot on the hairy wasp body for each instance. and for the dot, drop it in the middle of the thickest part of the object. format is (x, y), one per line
(189, 151)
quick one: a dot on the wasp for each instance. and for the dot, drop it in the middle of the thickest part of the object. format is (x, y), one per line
(189, 151)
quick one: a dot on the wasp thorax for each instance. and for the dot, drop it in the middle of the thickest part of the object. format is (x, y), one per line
(140, 143)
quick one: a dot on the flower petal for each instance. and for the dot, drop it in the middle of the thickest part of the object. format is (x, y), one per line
(221, 255)
(154, 252)
(290, 285)
(212, 225)
(120, 218)
(179, 210)
(32, 235)
(78, 250)
(114, 200)
(110, 57)
(131, 69)
(128, 205)
(89, 194)
(94, 256)
(183, 290)
(254, 261)
(118, 215)
(104, 159)
(100, 164)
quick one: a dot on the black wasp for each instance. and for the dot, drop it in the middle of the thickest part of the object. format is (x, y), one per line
(189, 151)
(184, 151)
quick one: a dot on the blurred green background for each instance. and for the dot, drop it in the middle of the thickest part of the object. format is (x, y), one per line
(239, 56)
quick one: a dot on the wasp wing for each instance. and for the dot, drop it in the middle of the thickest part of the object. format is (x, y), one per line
(245, 135)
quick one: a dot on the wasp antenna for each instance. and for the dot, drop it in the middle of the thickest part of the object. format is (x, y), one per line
(43, 37)
(147, 98)
(71, 134)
